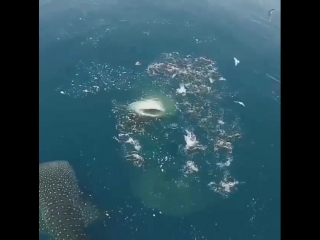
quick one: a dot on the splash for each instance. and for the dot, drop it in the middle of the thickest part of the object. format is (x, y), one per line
(191, 142)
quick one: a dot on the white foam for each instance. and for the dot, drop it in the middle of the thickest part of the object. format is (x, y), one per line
(182, 90)
(224, 187)
(135, 143)
(190, 167)
(136, 159)
(191, 141)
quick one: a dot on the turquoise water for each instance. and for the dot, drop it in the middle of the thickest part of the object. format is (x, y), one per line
(80, 127)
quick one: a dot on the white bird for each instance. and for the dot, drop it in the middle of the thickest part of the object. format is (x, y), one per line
(236, 61)
(270, 14)
(241, 103)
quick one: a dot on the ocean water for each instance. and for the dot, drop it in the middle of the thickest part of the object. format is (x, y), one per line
(78, 122)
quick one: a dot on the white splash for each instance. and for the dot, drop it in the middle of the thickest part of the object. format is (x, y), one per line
(137, 63)
(226, 163)
(137, 160)
(182, 90)
(241, 103)
(191, 142)
(135, 143)
(221, 143)
(190, 167)
(224, 187)
(236, 61)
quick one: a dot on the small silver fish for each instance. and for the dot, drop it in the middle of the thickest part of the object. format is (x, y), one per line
(63, 214)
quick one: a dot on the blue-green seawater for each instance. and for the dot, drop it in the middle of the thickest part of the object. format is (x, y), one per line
(81, 129)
